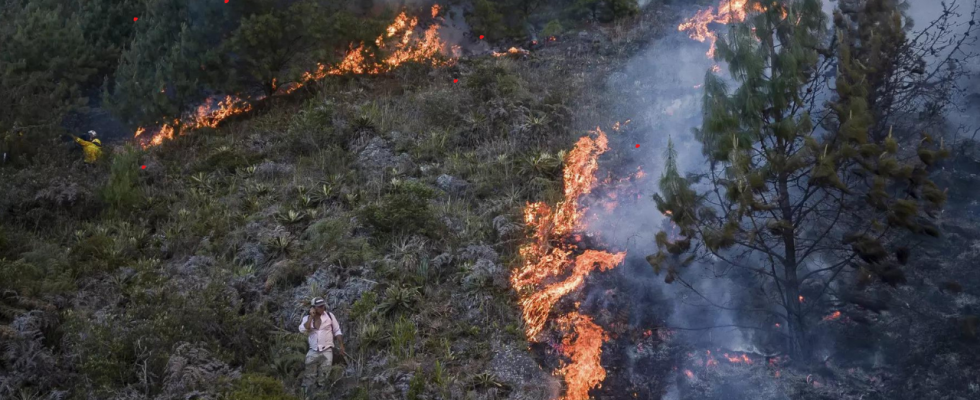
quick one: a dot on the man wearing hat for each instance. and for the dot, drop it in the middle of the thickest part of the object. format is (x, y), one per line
(322, 329)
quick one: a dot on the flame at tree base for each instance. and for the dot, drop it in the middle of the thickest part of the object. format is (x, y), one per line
(551, 270)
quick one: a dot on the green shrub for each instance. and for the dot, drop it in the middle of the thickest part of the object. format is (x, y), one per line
(493, 78)
(364, 305)
(404, 209)
(226, 160)
(121, 191)
(403, 335)
(416, 386)
(258, 387)
(92, 255)
(553, 28)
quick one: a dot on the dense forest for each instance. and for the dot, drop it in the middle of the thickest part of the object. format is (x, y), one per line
(497, 199)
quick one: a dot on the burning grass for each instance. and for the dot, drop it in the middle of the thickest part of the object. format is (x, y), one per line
(400, 44)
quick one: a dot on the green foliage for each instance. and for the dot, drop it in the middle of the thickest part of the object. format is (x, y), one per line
(553, 28)
(258, 387)
(493, 79)
(175, 55)
(399, 300)
(122, 192)
(404, 209)
(487, 20)
(364, 305)
(44, 62)
(270, 44)
(603, 10)
(403, 335)
(416, 386)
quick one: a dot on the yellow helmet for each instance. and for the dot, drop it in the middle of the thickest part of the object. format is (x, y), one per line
(97, 141)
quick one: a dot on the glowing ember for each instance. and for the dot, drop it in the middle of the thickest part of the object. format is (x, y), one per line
(551, 270)
(690, 375)
(801, 299)
(832, 316)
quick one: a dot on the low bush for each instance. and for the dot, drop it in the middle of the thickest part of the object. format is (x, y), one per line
(404, 209)
(121, 192)
(257, 387)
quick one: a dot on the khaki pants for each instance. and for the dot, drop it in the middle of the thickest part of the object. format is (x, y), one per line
(317, 368)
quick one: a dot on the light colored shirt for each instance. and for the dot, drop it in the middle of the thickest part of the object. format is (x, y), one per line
(321, 338)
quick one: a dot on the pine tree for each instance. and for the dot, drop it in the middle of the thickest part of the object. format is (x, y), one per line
(276, 45)
(791, 201)
(173, 62)
(44, 61)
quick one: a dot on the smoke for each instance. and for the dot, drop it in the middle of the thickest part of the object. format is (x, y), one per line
(660, 90)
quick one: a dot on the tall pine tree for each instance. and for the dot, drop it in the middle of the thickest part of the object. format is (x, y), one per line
(792, 202)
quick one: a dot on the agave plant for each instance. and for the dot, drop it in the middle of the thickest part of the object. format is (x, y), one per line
(245, 271)
(352, 198)
(307, 200)
(398, 299)
(291, 217)
(281, 244)
(486, 380)
(324, 193)
(371, 335)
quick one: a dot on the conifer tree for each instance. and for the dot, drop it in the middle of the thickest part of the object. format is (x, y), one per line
(173, 62)
(274, 46)
(44, 61)
(791, 201)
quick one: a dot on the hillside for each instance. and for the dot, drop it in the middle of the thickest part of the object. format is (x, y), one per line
(612, 199)
(397, 197)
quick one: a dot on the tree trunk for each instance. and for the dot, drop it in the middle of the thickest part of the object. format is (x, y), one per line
(791, 289)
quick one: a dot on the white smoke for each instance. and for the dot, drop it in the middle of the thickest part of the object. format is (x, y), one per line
(661, 89)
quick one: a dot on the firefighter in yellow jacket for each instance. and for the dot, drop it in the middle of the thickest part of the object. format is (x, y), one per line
(92, 147)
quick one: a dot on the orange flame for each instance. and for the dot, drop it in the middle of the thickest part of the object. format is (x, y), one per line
(584, 349)
(729, 11)
(697, 27)
(551, 270)
(209, 114)
(407, 46)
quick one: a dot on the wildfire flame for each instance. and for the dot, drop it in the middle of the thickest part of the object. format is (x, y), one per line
(399, 44)
(697, 27)
(551, 270)
(729, 11)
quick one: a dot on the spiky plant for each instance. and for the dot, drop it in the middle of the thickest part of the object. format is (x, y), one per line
(291, 217)
(324, 193)
(486, 380)
(403, 334)
(371, 335)
(281, 244)
(399, 299)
